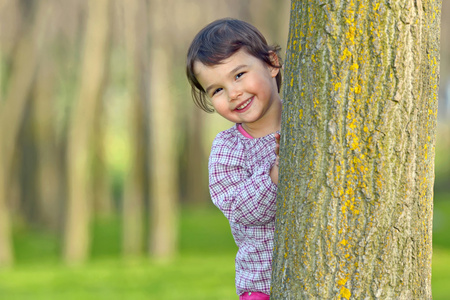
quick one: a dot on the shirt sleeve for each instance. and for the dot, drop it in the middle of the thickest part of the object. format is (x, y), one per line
(244, 197)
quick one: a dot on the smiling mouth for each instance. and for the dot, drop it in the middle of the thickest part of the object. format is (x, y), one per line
(245, 104)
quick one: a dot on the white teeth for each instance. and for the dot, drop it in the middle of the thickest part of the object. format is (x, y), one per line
(245, 104)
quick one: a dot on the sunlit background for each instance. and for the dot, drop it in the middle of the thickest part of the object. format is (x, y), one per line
(103, 155)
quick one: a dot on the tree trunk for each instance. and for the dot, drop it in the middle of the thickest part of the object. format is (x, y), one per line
(103, 205)
(24, 64)
(163, 164)
(355, 193)
(48, 172)
(80, 197)
(136, 36)
(196, 180)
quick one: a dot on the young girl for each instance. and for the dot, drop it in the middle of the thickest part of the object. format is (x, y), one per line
(233, 71)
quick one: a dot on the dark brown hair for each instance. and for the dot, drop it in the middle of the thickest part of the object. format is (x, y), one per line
(218, 41)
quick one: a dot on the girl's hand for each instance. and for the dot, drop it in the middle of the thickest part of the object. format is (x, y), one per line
(277, 147)
(274, 170)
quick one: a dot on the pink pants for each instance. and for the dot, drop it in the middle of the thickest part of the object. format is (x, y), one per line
(254, 296)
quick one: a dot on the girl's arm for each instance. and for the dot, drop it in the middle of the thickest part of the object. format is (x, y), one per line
(244, 198)
(274, 170)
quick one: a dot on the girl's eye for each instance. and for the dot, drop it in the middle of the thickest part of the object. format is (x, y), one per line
(239, 75)
(216, 91)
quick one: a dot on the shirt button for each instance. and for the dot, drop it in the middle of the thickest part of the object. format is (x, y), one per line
(249, 293)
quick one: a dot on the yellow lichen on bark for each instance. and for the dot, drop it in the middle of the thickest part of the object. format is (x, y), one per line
(357, 149)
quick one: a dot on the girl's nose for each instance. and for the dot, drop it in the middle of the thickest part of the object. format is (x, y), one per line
(235, 94)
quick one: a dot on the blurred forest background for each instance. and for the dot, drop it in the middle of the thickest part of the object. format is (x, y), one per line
(104, 155)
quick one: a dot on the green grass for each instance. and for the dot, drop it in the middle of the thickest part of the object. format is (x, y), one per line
(186, 277)
(440, 280)
(204, 268)
(205, 231)
(441, 221)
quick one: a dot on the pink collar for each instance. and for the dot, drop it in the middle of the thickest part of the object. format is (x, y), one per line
(242, 130)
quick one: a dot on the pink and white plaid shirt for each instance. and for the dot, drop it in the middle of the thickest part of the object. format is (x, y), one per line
(241, 188)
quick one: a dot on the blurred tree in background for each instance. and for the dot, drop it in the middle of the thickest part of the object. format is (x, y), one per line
(81, 131)
(97, 121)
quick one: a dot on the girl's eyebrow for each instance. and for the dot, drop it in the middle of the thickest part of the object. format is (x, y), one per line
(209, 88)
(234, 70)
(237, 69)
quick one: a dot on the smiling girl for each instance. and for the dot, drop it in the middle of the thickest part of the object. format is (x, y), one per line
(233, 71)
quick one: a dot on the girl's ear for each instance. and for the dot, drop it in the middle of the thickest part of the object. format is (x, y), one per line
(275, 62)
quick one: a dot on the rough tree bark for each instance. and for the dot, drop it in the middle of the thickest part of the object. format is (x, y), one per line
(354, 215)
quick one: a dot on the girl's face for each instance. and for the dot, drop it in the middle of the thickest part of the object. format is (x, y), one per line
(243, 90)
